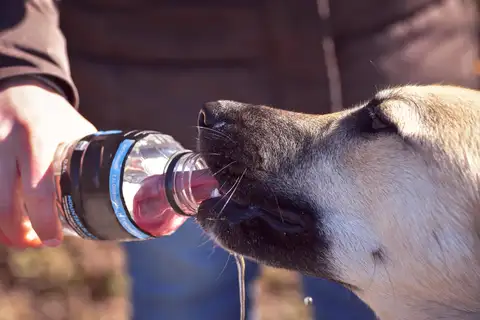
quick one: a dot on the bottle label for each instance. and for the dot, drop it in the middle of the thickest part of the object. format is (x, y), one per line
(73, 219)
(65, 203)
(115, 182)
(98, 181)
(89, 187)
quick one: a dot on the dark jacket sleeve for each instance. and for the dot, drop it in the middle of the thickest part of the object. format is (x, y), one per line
(33, 46)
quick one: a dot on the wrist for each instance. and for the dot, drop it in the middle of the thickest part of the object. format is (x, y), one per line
(32, 80)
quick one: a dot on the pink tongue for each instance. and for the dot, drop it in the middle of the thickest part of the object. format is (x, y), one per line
(151, 210)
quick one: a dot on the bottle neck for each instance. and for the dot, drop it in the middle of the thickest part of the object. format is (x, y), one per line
(190, 183)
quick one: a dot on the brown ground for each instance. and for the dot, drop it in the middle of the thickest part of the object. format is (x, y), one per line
(84, 281)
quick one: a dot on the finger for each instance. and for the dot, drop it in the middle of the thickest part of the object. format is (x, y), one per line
(38, 191)
(30, 238)
(10, 213)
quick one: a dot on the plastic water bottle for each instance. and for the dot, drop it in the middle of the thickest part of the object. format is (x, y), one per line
(126, 186)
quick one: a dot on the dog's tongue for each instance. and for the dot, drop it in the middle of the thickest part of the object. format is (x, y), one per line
(151, 210)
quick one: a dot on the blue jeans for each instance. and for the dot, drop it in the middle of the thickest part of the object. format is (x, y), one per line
(186, 277)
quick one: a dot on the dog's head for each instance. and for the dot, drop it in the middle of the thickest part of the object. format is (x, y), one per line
(382, 197)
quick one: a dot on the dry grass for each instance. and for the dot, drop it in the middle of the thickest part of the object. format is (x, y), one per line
(78, 281)
(85, 281)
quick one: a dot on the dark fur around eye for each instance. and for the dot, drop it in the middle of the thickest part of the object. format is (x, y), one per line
(371, 120)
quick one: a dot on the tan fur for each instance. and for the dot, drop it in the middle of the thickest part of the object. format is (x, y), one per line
(432, 269)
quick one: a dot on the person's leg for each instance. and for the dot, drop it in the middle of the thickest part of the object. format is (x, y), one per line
(332, 301)
(184, 277)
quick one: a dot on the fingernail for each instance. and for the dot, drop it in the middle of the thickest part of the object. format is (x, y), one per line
(52, 243)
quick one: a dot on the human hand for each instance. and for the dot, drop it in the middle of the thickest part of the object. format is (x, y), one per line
(33, 121)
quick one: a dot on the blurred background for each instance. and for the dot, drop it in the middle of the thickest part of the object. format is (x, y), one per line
(84, 280)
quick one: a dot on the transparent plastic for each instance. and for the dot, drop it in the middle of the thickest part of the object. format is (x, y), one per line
(143, 183)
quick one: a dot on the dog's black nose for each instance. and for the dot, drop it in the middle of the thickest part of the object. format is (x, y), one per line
(212, 114)
(216, 113)
(209, 115)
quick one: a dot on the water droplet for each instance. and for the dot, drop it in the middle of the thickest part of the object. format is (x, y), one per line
(308, 301)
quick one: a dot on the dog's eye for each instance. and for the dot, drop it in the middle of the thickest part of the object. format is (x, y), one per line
(379, 122)
(371, 120)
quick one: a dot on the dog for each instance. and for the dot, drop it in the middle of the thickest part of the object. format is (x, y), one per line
(382, 197)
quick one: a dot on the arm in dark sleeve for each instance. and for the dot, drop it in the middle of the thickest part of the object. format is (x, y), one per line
(33, 47)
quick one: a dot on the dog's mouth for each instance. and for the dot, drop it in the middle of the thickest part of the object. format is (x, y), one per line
(223, 216)
(236, 211)
(280, 235)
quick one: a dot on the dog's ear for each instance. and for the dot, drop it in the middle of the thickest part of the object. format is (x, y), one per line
(404, 115)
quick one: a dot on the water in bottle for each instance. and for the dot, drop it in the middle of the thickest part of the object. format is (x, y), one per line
(125, 186)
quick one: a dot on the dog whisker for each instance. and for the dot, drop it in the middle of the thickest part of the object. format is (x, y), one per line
(391, 284)
(211, 154)
(237, 183)
(204, 243)
(276, 201)
(278, 206)
(224, 168)
(218, 133)
(226, 194)
(224, 266)
(372, 278)
(217, 172)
